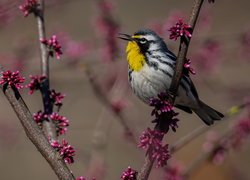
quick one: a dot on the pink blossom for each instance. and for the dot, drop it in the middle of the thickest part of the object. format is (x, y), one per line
(180, 29)
(12, 79)
(66, 151)
(164, 111)
(129, 174)
(60, 122)
(35, 83)
(187, 67)
(29, 6)
(56, 97)
(39, 117)
(53, 46)
(151, 140)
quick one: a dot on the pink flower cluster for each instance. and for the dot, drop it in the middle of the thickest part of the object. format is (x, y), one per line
(29, 6)
(151, 140)
(35, 83)
(39, 117)
(180, 29)
(129, 174)
(12, 79)
(164, 111)
(187, 67)
(56, 97)
(66, 151)
(53, 46)
(61, 123)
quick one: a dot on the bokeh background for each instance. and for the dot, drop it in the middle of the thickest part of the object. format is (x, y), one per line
(219, 52)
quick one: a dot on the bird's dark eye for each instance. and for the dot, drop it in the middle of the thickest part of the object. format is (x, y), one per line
(143, 40)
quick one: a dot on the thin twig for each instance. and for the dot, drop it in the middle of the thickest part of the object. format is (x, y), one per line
(203, 128)
(99, 142)
(204, 156)
(104, 99)
(189, 137)
(36, 135)
(48, 126)
(145, 171)
(183, 48)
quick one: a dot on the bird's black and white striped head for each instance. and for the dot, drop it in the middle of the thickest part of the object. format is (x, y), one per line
(143, 45)
(149, 41)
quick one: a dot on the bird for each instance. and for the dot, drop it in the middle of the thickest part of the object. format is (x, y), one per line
(150, 71)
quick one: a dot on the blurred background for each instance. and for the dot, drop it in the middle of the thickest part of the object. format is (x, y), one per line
(92, 72)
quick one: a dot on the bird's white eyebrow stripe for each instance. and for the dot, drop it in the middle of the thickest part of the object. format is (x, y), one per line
(149, 37)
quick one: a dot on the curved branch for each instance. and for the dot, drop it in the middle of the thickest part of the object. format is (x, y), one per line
(36, 135)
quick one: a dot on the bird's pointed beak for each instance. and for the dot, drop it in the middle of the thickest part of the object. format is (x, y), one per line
(125, 37)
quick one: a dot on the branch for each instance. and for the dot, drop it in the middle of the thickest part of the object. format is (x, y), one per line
(104, 99)
(183, 48)
(145, 171)
(204, 156)
(189, 137)
(36, 135)
(203, 128)
(48, 126)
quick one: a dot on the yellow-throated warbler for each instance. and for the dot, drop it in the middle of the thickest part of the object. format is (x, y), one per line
(151, 68)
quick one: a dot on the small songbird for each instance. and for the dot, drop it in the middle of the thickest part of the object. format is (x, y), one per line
(150, 70)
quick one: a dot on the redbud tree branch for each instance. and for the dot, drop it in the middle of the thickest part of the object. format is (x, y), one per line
(36, 135)
(203, 128)
(104, 99)
(189, 137)
(183, 48)
(205, 156)
(48, 126)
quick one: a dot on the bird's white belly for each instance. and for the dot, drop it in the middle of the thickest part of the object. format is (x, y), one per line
(148, 83)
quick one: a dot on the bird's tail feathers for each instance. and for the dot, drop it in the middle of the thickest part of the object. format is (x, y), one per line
(208, 114)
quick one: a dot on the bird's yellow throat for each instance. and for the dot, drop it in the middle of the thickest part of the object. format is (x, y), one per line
(135, 58)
